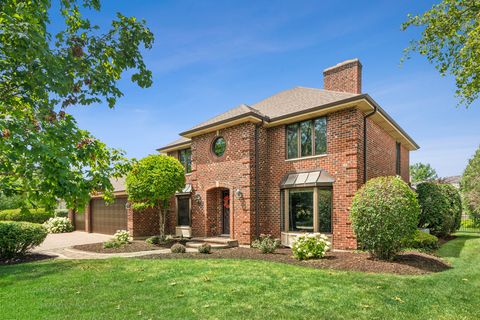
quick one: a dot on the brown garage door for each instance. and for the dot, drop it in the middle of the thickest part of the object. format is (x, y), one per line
(109, 218)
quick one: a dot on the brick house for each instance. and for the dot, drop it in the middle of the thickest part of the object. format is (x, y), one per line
(288, 164)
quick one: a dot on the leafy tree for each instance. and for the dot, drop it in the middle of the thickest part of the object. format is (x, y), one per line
(470, 186)
(152, 183)
(420, 172)
(450, 40)
(44, 156)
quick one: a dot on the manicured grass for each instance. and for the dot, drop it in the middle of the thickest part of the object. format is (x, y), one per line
(219, 289)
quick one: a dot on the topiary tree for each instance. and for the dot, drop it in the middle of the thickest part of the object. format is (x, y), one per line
(470, 187)
(441, 208)
(153, 181)
(384, 212)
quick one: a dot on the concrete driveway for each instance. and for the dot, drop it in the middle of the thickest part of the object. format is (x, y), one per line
(65, 240)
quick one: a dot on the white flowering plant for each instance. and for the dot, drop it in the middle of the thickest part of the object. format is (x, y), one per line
(121, 236)
(58, 225)
(310, 246)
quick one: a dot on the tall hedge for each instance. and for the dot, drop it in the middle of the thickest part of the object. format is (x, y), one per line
(28, 215)
(441, 208)
(384, 212)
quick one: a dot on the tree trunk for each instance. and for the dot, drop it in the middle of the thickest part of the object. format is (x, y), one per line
(162, 215)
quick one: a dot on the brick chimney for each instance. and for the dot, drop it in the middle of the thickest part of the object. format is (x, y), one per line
(344, 77)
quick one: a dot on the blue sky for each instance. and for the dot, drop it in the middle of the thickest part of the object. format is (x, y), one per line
(210, 56)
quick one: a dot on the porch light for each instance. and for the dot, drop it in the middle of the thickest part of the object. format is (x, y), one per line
(197, 198)
(128, 205)
(238, 193)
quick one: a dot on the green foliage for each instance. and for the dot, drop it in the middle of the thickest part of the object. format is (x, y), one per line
(178, 248)
(153, 181)
(58, 225)
(27, 215)
(44, 156)
(384, 212)
(310, 246)
(122, 236)
(470, 186)
(61, 213)
(154, 240)
(421, 240)
(470, 224)
(11, 202)
(112, 244)
(421, 172)
(441, 208)
(16, 238)
(266, 244)
(205, 248)
(450, 40)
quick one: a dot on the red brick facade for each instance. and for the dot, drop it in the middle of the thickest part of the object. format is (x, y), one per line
(344, 77)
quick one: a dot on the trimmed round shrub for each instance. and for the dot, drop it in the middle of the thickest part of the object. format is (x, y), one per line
(266, 244)
(28, 215)
(16, 238)
(205, 248)
(421, 240)
(178, 248)
(310, 246)
(384, 212)
(441, 208)
(58, 225)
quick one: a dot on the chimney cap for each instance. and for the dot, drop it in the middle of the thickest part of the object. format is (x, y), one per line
(356, 60)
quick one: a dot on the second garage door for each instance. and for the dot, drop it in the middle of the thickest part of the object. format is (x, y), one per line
(109, 218)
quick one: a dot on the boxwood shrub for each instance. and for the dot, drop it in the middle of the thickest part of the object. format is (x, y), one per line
(421, 240)
(384, 212)
(441, 208)
(16, 238)
(27, 215)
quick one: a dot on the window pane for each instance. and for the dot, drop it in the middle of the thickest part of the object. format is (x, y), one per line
(219, 146)
(292, 141)
(301, 210)
(325, 211)
(321, 136)
(183, 211)
(185, 158)
(306, 138)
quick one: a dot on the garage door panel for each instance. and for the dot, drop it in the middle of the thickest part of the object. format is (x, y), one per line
(108, 218)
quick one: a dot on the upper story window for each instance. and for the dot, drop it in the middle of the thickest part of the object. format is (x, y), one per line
(306, 138)
(185, 158)
(219, 145)
(398, 163)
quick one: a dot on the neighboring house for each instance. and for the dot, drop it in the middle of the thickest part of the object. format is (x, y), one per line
(453, 180)
(288, 164)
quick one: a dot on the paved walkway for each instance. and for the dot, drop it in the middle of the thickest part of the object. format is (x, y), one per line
(60, 245)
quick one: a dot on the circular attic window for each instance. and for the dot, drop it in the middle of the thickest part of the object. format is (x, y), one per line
(219, 145)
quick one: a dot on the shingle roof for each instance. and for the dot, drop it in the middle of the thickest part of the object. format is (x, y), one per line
(179, 141)
(118, 184)
(298, 99)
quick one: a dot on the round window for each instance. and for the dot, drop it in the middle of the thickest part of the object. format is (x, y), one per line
(218, 147)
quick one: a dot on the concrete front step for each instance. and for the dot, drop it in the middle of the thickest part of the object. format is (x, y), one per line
(196, 244)
(217, 240)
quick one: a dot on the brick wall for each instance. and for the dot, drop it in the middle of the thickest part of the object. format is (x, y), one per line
(344, 77)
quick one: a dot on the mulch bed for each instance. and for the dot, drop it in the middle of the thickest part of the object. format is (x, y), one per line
(29, 257)
(408, 263)
(134, 246)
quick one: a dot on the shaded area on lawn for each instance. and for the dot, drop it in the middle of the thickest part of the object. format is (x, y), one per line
(29, 257)
(409, 263)
(454, 250)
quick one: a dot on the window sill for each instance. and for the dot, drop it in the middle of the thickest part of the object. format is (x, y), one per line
(306, 158)
(188, 174)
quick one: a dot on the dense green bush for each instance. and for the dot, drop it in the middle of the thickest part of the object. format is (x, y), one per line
(441, 208)
(178, 248)
(384, 212)
(205, 248)
(10, 202)
(155, 240)
(61, 213)
(421, 240)
(310, 246)
(58, 225)
(16, 238)
(266, 244)
(26, 215)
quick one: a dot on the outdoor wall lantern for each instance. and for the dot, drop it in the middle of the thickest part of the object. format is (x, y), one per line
(238, 193)
(128, 205)
(197, 198)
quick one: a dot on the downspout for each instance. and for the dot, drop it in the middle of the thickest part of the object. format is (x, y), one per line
(257, 196)
(365, 142)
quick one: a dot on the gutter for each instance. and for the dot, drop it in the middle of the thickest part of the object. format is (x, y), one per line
(365, 142)
(257, 178)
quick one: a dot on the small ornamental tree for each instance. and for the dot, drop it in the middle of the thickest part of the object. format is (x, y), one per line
(384, 212)
(441, 208)
(421, 172)
(153, 181)
(470, 187)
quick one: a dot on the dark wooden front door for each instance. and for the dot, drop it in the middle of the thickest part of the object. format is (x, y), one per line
(226, 212)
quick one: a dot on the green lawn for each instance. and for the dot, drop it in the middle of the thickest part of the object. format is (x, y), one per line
(187, 289)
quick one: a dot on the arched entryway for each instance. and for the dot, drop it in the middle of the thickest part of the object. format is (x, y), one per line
(219, 215)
